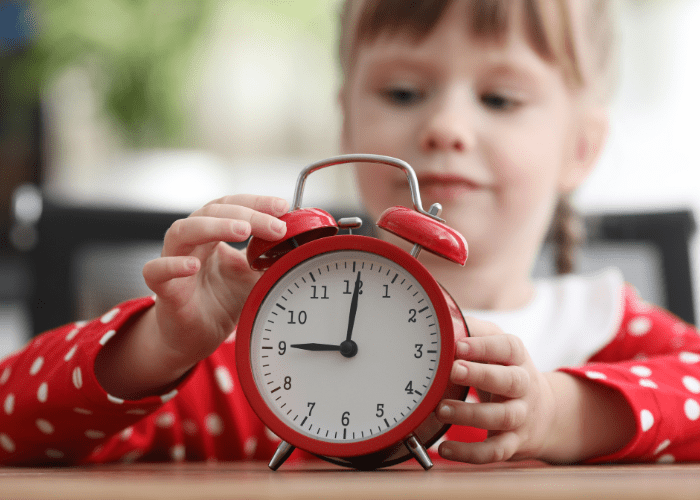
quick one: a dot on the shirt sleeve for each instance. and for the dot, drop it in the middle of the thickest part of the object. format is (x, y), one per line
(654, 362)
(54, 410)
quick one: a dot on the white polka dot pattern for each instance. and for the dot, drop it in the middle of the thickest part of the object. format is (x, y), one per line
(115, 400)
(213, 424)
(54, 453)
(126, 434)
(647, 420)
(641, 371)
(595, 375)
(36, 366)
(645, 382)
(9, 405)
(223, 379)
(44, 426)
(692, 384)
(6, 443)
(109, 316)
(662, 446)
(691, 409)
(167, 397)
(94, 434)
(666, 459)
(689, 357)
(5, 375)
(250, 446)
(42, 394)
(177, 453)
(70, 353)
(107, 336)
(639, 326)
(71, 335)
(77, 377)
(165, 420)
(131, 456)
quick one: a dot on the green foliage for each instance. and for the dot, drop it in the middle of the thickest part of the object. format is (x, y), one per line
(137, 53)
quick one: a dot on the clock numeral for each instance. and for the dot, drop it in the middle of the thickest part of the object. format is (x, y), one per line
(345, 420)
(412, 317)
(386, 292)
(311, 407)
(287, 383)
(380, 410)
(419, 352)
(347, 287)
(325, 292)
(301, 318)
(408, 388)
(282, 348)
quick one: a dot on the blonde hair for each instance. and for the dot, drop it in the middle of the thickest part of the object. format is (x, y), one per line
(583, 46)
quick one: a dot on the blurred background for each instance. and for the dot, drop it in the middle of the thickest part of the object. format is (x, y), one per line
(117, 114)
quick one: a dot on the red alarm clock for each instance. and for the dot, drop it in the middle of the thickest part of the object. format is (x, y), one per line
(345, 345)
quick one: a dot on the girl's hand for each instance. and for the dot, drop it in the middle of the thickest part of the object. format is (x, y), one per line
(200, 281)
(517, 401)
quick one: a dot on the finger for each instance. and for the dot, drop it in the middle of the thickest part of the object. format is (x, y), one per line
(506, 381)
(160, 271)
(496, 448)
(503, 349)
(267, 204)
(185, 234)
(234, 264)
(262, 224)
(505, 416)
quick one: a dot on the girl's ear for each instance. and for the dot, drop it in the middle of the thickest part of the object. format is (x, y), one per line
(588, 141)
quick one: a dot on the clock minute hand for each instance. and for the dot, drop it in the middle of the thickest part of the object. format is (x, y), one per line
(353, 307)
(316, 347)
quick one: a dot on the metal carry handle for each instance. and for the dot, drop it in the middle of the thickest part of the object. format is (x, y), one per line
(363, 158)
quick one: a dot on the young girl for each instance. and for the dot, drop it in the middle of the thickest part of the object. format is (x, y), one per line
(499, 107)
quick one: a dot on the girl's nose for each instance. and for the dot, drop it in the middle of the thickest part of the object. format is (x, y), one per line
(448, 129)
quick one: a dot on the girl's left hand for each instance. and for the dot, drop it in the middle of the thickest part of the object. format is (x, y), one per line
(517, 401)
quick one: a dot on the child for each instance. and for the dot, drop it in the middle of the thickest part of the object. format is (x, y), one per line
(499, 107)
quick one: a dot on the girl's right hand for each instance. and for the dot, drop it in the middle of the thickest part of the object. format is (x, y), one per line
(201, 282)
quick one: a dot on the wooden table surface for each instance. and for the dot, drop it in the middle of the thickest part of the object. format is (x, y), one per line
(255, 480)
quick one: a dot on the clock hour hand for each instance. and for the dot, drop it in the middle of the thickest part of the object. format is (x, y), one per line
(316, 347)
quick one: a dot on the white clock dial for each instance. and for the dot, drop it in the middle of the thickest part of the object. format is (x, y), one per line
(296, 356)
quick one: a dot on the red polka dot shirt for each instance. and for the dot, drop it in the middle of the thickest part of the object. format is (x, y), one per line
(53, 410)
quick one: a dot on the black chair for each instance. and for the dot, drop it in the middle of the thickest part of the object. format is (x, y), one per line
(69, 236)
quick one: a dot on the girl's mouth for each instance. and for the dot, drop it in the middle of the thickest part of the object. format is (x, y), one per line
(445, 187)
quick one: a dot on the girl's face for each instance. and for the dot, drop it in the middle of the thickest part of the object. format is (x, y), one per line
(489, 129)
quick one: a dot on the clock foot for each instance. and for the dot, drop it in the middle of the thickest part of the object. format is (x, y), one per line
(283, 451)
(419, 452)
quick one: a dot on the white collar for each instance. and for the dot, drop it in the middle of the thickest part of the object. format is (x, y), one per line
(568, 320)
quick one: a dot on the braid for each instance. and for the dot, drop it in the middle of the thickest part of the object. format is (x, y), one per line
(567, 235)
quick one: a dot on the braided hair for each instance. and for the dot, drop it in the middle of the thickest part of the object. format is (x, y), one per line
(567, 234)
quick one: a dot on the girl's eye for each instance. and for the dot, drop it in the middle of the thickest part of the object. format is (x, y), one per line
(499, 102)
(403, 96)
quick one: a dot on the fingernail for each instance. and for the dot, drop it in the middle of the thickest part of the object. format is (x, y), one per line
(462, 348)
(191, 263)
(445, 411)
(459, 371)
(445, 451)
(278, 225)
(280, 205)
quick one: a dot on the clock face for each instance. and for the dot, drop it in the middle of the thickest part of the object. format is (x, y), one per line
(345, 346)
